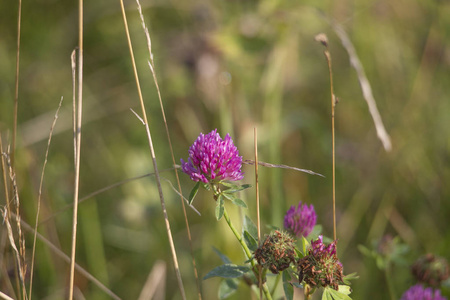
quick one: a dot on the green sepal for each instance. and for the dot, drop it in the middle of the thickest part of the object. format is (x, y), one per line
(193, 192)
(349, 277)
(250, 241)
(235, 200)
(234, 188)
(227, 271)
(219, 207)
(228, 287)
(206, 186)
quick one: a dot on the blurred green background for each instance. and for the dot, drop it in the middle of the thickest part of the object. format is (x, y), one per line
(231, 65)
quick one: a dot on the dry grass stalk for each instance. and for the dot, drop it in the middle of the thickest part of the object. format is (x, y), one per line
(258, 218)
(39, 197)
(365, 86)
(67, 259)
(77, 144)
(16, 95)
(269, 165)
(6, 214)
(149, 138)
(151, 65)
(323, 39)
(154, 287)
(4, 296)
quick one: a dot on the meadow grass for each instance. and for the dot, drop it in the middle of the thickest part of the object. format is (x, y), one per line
(232, 66)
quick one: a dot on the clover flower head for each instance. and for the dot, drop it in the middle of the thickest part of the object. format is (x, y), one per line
(321, 267)
(212, 159)
(300, 220)
(276, 252)
(418, 292)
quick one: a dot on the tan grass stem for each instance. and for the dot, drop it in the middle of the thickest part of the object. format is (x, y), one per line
(365, 86)
(258, 218)
(67, 259)
(322, 38)
(77, 146)
(16, 94)
(4, 296)
(3, 237)
(155, 80)
(7, 214)
(149, 138)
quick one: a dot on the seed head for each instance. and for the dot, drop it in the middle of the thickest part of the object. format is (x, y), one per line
(321, 267)
(276, 252)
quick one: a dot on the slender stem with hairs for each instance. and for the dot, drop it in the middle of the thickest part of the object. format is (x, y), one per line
(247, 251)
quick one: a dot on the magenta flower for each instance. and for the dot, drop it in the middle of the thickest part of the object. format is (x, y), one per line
(318, 248)
(300, 220)
(212, 159)
(418, 292)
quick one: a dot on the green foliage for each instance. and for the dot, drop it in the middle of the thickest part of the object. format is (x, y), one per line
(219, 207)
(287, 286)
(227, 271)
(250, 241)
(227, 288)
(386, 252)
(348, 278)
(341, 294)
(250, 227)
(193, 192)
(234, 66)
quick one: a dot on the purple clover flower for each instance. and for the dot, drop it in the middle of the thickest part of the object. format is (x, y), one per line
(212, 158)
(418, 292)
(300, 220)
(318, 248)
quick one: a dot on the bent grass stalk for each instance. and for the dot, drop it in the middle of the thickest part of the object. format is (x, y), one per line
(149, 138)
(151, 65)
(67, 259)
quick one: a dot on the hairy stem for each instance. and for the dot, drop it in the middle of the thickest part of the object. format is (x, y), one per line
(248, 253)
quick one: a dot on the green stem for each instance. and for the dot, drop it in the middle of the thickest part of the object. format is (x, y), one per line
(247, 253)
(277, 280)
(390, 284)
